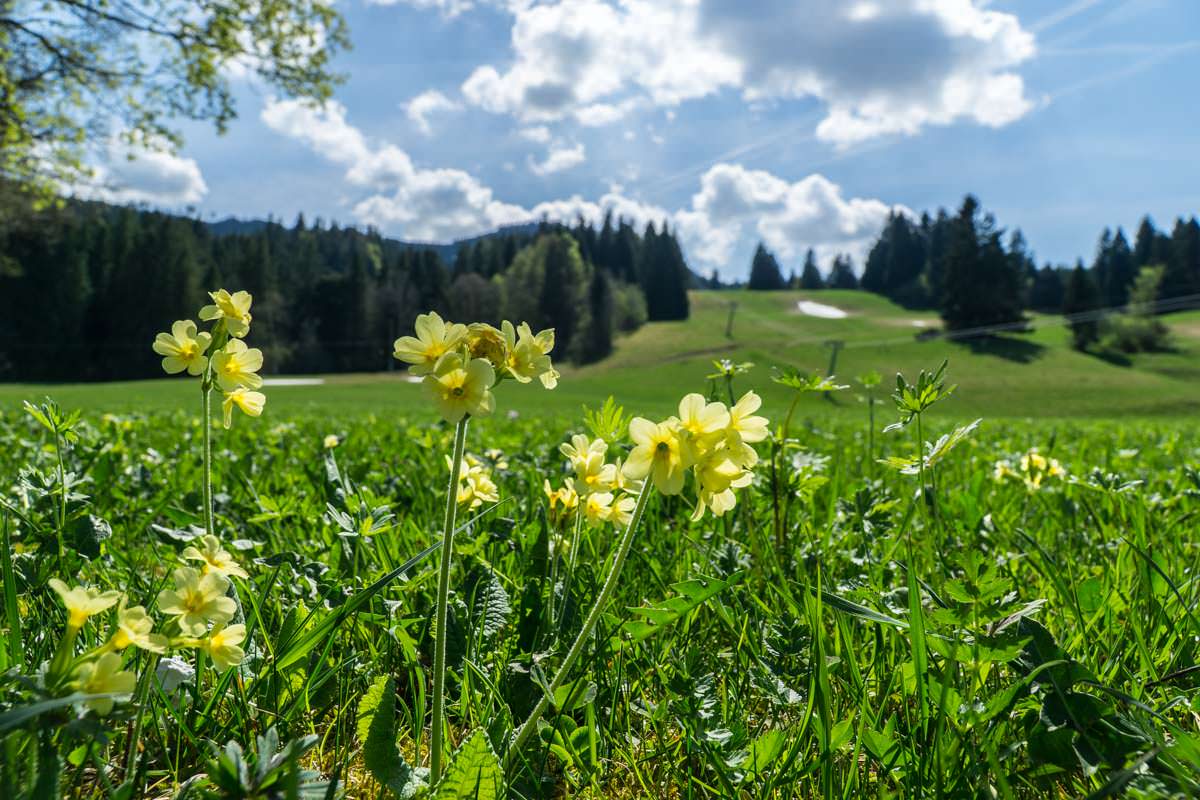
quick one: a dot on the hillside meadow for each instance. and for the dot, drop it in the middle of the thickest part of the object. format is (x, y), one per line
(742, 601)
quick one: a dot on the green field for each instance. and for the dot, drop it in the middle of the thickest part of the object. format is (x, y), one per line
(1013, 616)
(1030, 375)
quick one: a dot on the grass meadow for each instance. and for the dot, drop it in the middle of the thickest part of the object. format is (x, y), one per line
(945, 609)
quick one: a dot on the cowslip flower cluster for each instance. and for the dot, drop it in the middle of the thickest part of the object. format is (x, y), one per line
(475, 484)
(200, 604)
(711, 440)
(218, 356)
(562, 501)
(1032, 469)
(101, 671)
(461, 364)
(598, 489)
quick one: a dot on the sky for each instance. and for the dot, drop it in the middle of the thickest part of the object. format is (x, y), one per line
(799, 123)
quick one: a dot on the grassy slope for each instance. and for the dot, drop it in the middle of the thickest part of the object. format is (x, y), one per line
(1033, 375)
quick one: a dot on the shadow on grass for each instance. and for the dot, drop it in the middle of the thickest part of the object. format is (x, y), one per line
(1009, 348)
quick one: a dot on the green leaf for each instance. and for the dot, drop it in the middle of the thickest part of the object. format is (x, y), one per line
(474, 772)
(654, 618)
(491, 608)
(377, 718)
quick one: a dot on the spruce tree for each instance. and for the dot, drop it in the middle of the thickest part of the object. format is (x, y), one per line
(842, 276)
(764, 271)
(810, 278)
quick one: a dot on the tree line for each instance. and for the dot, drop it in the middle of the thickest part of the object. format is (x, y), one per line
(85, 288)
(943, 261)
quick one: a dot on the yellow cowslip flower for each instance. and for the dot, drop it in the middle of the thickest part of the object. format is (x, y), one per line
(484, 341)
(215, 557)
(497, 457)
(134, 628)
(622, 481)
(233, 310)
(659, 453)
(529, 354)
(183, 348)
(475, 484)
(598, 507)
(701, 424)
(330, 442)
(237, 365)
(83, 601)
(435, 337)
(565, 497)
(251, 403)
(744, 428)
(587, 459)
(197, 600)
(620, 513)
(462, 387)
(104, 675)
(716, 478)
(1033, 469)
(223, 646)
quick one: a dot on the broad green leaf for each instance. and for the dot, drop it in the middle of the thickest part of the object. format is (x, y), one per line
(652, 619)
(377, 710)
(474, 772)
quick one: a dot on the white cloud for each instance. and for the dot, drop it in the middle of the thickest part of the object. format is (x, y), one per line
(736, 205)
(560, 157)
(732, 209)
(425, 204)
(539, 134)
(155, 177)
(880, 68)
(427, 103)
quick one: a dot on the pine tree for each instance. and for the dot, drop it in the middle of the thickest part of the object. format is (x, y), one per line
(810, 278)
(980, 285)
(598, 338)
(842, 276)
(764, 271)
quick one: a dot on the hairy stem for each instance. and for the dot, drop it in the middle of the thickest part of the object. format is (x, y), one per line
(437, 731)
(210, 525)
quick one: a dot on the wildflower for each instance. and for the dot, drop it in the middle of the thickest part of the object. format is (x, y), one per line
(197, 600)
(484, 341)
(745, 428)
(1033, 469)
(587, 459)
(622, 481)
(716, 478)
(215, 557)
(529, 354)
(183, 348)
(565, 496)
(497, 457)
(83, 601)
(434, 338)
(658, 453)
(330, 442)
(701, 423)
(460, 388)
(231, 309)
(621, 511)
(475, 484)
(134, 628)
(237, 365)
(251, 403)
(223, 646)
(104, 676)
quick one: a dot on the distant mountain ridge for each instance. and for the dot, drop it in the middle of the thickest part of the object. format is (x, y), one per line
(232, 226)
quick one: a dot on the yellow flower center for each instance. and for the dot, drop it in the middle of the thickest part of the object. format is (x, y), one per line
(194, 602)
(188, 350)
(458, 391)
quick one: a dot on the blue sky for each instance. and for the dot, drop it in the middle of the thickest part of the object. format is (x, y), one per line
(797, 122)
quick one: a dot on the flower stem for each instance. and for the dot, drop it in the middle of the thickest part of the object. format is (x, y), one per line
(437, 730)
(593, 617)
(206, 391)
